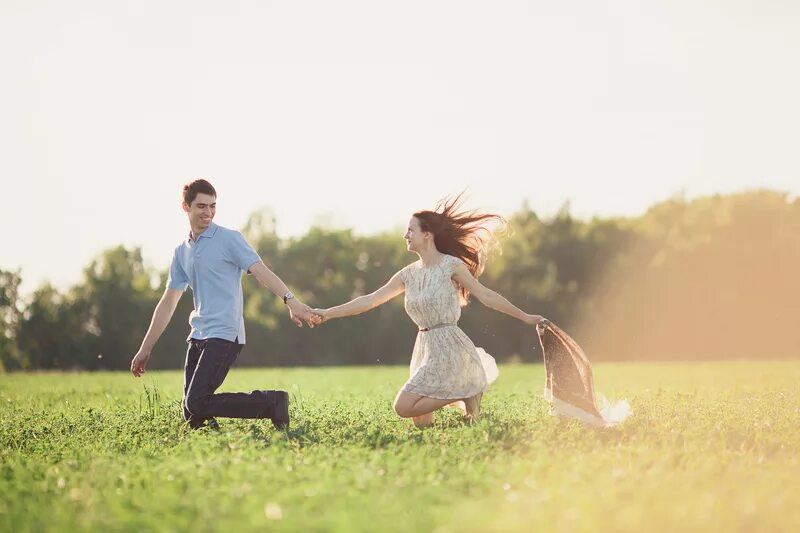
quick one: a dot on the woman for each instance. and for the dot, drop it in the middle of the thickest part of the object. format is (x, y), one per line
(446, 367)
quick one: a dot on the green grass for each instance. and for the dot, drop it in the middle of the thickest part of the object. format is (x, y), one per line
(711, 446)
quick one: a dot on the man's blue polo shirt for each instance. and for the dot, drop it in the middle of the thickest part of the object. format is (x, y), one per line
(212, 266)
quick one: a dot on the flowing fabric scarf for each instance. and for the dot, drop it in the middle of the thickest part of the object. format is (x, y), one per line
(569, 386)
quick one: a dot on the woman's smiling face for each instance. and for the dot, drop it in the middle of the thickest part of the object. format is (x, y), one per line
(415, 237)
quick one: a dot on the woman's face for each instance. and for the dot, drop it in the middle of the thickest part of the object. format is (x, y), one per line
(415, 237)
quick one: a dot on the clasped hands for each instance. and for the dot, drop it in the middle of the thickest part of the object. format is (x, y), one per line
(299, 312)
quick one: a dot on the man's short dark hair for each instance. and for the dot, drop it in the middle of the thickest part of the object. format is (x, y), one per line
(193, 188)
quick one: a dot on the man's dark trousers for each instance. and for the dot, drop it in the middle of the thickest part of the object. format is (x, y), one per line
(207, 363)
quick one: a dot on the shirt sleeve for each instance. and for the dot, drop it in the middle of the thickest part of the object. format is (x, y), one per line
(240, 252)
(451, 263)
(403, 274)
(177, 278)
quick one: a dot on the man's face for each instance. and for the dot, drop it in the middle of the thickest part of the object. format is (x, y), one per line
(202, 210)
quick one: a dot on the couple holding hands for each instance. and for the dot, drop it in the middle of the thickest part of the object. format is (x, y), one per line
(446, 367)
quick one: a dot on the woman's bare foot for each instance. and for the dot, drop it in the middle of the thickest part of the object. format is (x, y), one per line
(473, 407)
(423, 421)
(458, 405)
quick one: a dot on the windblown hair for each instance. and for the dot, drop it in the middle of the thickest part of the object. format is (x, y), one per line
(193, 188)
(467, 235)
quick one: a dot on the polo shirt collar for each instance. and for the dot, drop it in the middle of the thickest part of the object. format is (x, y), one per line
(212, 229)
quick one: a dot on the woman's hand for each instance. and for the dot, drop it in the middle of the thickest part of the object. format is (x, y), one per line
(322, 314)
(535, 320)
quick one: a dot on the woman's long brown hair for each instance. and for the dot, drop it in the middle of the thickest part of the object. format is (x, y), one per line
(463, 234)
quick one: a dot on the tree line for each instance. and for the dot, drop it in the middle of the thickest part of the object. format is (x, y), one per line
(710, 278)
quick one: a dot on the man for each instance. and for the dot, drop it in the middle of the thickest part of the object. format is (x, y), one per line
(211, 261)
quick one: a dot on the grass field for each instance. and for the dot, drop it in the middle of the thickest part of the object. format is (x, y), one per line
(710, 446)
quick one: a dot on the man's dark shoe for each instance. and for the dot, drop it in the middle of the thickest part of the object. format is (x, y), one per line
(211, 423)
(280, 410)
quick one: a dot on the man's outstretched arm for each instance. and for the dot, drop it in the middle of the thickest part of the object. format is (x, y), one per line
(161, 317)
(270, 280)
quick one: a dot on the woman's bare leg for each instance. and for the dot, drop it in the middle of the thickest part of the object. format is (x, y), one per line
(473, 406)
(423, 421)
(410, 405)
(459, 404)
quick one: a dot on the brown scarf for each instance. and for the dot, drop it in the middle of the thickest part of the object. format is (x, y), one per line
(568, 371)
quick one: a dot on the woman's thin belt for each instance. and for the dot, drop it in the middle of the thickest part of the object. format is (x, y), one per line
(437, 326)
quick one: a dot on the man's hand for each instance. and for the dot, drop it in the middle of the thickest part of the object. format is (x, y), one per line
(299, 311)
(139, 362)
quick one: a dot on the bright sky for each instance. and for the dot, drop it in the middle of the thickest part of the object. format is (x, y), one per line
(361, 112)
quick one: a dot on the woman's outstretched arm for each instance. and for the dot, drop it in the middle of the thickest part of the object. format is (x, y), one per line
(490, 298)
(364, 303)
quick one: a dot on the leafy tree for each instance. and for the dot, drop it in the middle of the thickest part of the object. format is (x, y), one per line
(56, 331)
(9, 318)
(119, 289)
(709, 278)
